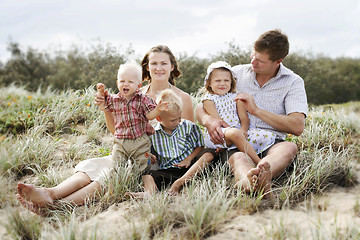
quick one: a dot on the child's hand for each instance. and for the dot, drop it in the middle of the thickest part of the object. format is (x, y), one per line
(163, 106)
(184, 163)
(100, 96)
(101, 89)
(152, 158)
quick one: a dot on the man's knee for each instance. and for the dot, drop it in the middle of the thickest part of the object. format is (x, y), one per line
(284, 150)
(291, 150)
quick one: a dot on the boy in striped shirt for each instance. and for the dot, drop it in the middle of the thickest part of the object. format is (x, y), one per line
(176, 143)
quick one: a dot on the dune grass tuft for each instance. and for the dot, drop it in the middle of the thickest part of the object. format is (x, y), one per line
(44, 135)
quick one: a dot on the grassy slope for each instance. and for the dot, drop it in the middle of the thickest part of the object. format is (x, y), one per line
(44, 135)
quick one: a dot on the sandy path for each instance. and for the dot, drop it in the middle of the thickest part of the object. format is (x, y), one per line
(331, 212)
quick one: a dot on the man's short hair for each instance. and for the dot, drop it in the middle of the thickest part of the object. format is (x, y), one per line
(274, 43)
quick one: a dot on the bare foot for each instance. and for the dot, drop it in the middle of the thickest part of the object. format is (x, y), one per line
(264, 180)
(250, 182)
(37, 196)
(138, 195)
(175, 188)
(39, 210)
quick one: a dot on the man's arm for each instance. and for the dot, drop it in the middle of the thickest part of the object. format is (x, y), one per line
(212, 124)
(293, 123)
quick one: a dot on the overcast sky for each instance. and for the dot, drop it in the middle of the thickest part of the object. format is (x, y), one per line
(330, 27)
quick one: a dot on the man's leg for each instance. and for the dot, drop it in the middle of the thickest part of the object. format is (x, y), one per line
(274, 164)
(279, 157)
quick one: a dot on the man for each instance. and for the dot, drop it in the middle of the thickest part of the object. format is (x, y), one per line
(276, 99)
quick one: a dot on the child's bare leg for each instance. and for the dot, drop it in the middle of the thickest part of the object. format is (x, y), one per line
(234, 136)
(194, 170)
(43, 196)
(249, 183)
(149, 186)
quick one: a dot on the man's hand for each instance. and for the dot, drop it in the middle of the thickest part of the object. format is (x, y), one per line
(214, 129)
(248, 101)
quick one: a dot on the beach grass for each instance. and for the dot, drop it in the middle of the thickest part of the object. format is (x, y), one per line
(44, 135)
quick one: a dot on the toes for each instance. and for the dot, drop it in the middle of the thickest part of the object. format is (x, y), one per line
(20, 188)
(255, 171)
(265, 166)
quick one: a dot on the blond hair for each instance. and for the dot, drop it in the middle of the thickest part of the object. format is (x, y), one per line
(175, 102)
(132, 67)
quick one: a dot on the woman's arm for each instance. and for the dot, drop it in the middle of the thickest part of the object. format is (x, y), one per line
(188, 110)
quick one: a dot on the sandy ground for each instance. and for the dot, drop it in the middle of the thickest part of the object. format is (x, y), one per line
(325, 216)
(334, 210)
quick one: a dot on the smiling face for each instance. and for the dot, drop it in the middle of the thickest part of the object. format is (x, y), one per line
(159, 66)
(128, 82)
(220, 81)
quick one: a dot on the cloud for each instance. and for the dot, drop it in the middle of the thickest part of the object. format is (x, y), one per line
(203, 26)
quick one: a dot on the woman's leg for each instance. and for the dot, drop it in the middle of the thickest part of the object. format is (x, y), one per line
(43, 196)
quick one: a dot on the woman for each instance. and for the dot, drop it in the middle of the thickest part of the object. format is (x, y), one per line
(159, 68)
